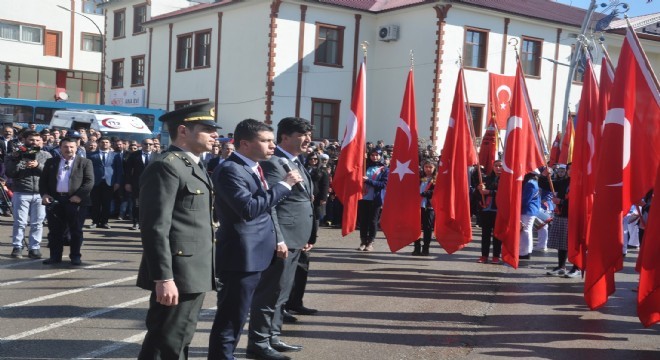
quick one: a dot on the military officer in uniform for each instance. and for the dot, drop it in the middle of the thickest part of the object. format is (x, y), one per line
(177, 233)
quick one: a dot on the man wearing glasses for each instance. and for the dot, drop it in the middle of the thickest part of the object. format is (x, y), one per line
(135, 164)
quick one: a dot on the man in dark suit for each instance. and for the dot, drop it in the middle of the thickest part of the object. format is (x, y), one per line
(246, 237)
(177, 233)
(108, 169)
(293, 219)
(135, 164)
(65, 185)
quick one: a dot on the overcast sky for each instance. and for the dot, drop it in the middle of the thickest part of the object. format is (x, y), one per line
(637, 7)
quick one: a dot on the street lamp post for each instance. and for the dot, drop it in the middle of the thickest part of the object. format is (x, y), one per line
(102, 91)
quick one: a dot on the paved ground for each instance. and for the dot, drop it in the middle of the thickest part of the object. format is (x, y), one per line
(372, 306)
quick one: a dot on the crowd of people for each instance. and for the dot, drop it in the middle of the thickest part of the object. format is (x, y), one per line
(258, 196)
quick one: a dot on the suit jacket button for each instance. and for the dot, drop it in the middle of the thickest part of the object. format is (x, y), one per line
(199, 191)
(215, 241)
(179, 252)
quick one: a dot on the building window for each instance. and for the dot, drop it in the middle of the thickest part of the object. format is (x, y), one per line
(477, 112)
(92, 7)
(117, 73)
(119, 23)
(30, 34)
(475, 48)
(137, 70)
(325, 118)
(203, 49)
(139, 17)
(329, 45)
(22, 33)
(184, 52)
(530, 56)
(91, 42)
(53, 44)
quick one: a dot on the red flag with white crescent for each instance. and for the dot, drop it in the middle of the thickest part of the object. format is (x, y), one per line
(628, 162)
(347, 181)
(451, 196)
(522, 154)
(500, 96)
(401, 217)
(582, 169)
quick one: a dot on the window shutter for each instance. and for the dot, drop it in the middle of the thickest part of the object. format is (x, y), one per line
(52, 44)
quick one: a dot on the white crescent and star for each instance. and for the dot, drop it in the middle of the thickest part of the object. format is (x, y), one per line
(506, 89)
(513, 123)
(351, 130)
(406, 129)
(402, 168)
(618, 117)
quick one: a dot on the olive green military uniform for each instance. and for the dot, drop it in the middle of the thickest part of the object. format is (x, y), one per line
(177, 237)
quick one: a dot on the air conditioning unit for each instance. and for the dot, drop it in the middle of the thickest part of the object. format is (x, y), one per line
(388, 33)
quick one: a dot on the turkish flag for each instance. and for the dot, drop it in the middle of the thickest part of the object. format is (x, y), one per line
(401, 217)
(522, 154)
(605, 91)
(582, 169)
(648, 294)
(500, 91)
(566, 153)
(555, 150)
(628, 162)
(488, 148)
(451, 196)
(347, 181)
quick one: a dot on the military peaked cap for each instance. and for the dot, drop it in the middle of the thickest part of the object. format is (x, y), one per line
(201, 113)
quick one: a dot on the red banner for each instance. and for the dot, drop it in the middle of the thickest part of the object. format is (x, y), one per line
(451, 196)
(500, 93)
(347, 181)
(401, 219)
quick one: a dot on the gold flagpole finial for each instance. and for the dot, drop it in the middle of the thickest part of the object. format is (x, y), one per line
(412, 59)
(364, 45)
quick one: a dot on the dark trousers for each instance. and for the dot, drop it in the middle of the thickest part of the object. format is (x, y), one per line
(101, 199)
(62, 216)
(266, 311)
(428, 222)
(136, 207)
(299, 281)
(170, 329)
(368, 212)
(487, 226)
(235, 293)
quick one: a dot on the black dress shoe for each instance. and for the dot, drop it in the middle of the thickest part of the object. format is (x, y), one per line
(287, 318)
(281, 346)
(51, 261)
(76, 262)
(265, 354)
(301, 310)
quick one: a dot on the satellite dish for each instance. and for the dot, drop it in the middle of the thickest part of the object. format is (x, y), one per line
(62, 95)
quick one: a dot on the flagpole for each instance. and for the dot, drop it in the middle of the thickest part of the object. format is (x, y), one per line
(515, 47)
(364, 45)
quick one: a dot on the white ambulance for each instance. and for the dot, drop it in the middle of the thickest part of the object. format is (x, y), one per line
(108, 123)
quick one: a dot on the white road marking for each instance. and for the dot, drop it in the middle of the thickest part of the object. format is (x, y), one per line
(68, 292)
(46, 276)
(70, 321)
(128, 341)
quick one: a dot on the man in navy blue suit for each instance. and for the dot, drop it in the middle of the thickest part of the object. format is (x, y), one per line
(108, 168)
(246, 238)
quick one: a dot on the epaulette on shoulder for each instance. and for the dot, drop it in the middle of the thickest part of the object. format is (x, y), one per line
(183, 158)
